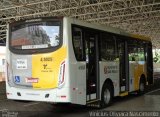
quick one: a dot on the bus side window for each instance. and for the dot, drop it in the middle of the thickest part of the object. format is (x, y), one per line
(133, 51)
(77, 43)
(133, 58)
(108, 47)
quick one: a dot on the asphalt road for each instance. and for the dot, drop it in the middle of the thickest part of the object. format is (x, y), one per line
(148, 102)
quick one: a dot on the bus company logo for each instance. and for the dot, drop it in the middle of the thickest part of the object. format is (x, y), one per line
(44, 66)
(105, 70)
(32, 80)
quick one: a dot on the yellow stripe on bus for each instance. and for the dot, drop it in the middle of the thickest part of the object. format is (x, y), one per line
(46, 68)
(140, 69)
(141, 37)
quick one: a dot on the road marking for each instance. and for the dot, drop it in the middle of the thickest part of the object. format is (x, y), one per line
(31, 104)
(153, 91)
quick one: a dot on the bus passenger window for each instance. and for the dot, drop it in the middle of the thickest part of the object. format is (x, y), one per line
(132, 50)
(108, 47)
(77, 43)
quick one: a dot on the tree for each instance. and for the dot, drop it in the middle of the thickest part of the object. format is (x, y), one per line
(157, 57)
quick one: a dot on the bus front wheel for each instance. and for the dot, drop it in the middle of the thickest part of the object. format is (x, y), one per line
(107, 95)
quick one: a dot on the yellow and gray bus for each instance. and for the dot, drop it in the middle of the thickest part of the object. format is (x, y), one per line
(64, 60)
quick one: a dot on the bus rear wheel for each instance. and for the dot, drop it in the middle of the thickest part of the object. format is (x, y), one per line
(106, 96)
(142, 87)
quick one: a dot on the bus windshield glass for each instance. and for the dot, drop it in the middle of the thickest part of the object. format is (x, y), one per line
(35, 35)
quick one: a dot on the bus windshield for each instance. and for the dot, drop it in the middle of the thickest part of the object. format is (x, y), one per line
(37, 35)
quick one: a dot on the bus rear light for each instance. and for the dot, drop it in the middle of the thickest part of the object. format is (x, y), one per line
(63, 96)
(61, 75)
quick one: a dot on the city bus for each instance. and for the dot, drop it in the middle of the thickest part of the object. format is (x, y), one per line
(65, 60)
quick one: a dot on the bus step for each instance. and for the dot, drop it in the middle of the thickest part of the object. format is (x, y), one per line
(93, 103)
(123, 93)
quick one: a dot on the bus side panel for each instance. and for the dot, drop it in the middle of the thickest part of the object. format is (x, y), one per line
(131, 76)
(76, 69)
(138, 71)
(78, 88)
(110, 70)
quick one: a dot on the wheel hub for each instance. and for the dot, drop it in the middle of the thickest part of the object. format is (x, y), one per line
(107, 96)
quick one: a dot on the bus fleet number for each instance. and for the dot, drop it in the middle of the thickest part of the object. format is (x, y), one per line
(46, 59)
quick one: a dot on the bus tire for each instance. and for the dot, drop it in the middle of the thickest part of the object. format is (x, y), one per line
(106, 96)
(142, 86)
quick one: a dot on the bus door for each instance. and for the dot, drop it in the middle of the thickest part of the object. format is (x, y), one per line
(123, 63)
(149, 64)
(92, 59)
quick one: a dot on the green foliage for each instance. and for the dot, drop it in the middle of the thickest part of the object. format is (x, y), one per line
(156, 59)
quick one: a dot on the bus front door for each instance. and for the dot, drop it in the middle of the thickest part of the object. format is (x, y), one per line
(92, 59)
(123, 71)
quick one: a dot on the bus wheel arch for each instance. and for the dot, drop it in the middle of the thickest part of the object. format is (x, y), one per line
(142, 84)
(107, 93)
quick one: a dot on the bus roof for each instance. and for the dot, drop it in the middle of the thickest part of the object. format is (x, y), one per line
(109, 29)
(104, 28)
